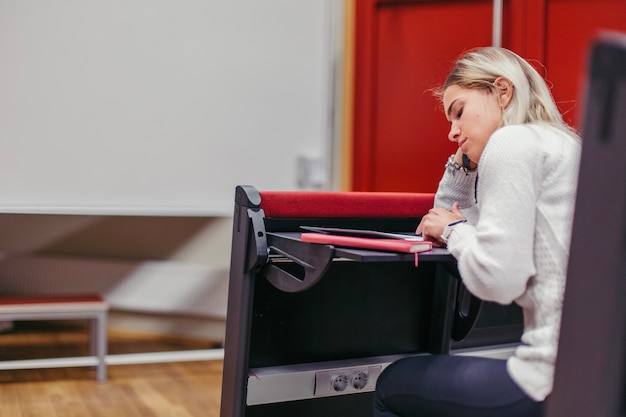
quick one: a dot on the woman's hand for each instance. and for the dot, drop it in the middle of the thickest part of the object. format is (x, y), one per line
(432, 224)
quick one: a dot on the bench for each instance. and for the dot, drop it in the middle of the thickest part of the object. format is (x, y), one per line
(58, 307)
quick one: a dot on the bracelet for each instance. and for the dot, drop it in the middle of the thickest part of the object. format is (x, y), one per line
(454, 166)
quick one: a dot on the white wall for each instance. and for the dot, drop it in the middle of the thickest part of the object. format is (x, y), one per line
(158, 106)
(123, 121)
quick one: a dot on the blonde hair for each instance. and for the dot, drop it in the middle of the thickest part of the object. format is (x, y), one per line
(532, 101)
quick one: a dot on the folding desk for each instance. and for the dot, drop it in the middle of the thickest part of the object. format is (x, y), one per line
(310, 327)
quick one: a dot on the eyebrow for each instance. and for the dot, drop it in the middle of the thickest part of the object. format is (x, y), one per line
(450, 107)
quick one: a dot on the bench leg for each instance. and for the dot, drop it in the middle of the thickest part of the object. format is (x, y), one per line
(98, 344)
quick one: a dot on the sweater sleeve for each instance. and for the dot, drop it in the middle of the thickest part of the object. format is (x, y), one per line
(457, 186)
(495, 255)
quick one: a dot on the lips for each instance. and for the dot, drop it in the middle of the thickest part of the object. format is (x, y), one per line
(462, 142)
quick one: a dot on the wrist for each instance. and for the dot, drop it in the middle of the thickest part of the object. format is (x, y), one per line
(453, 166)
(447, 231)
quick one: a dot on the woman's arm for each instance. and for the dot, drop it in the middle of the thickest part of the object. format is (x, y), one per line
(495, 256)
(457, 185)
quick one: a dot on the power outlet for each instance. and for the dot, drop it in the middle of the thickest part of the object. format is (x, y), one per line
(346, 380)
(359, 380)
(339, 382)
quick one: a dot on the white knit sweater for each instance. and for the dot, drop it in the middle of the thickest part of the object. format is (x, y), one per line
(515, 245)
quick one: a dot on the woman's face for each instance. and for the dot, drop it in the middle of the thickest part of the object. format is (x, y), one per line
(473, 115)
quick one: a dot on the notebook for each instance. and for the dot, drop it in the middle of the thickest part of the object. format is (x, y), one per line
(391, 245)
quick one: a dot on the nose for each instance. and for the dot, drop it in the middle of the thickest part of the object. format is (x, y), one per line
(454, 133)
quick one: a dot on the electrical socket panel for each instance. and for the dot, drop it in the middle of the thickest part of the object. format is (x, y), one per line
(346, 380)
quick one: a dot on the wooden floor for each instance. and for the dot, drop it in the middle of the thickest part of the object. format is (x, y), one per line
(181, 389)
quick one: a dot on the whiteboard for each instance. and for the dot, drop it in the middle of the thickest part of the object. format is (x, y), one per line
(158, 106)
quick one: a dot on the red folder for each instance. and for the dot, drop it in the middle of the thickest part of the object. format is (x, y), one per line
(391, 245)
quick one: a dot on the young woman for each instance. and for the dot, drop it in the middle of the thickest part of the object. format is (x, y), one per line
(504, 208)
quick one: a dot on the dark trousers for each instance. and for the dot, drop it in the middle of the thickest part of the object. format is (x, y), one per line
(451, 386)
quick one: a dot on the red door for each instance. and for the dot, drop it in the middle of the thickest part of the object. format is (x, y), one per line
(405, 48)
(571, 26)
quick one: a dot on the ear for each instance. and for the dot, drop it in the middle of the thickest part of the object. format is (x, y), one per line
(504, 89)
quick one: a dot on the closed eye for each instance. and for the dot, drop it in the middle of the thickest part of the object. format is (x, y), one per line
(457, 106)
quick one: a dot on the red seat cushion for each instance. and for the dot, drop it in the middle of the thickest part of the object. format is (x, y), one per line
(345, 204)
